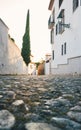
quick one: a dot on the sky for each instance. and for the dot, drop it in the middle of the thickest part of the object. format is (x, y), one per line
(14, 13)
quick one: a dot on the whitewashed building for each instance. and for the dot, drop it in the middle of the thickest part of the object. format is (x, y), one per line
(32, 66)
(47, 64)
(65, 36)
(11, 61)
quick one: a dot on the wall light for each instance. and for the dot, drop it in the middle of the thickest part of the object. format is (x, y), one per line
(63, 24)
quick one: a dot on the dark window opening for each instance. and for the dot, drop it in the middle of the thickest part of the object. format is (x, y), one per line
(60, 2)
(75, 4)
(56, 29)
(52, 36)
(65, 48)
(53, 54)
(62, 50)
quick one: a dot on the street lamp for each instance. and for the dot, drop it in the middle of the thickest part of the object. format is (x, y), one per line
(62, 24)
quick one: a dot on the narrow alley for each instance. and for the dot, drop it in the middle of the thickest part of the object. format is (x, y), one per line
(40, 103)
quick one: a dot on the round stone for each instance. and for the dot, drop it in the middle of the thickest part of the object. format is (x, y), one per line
(40, 126)
(18, 102)
(7, 120)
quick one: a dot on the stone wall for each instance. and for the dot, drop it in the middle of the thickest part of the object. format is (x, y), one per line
(11, 61)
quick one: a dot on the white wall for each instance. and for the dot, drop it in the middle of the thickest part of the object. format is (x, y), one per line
(15, 59)
(47, 68)
(3, 43)
(11, 61)
(32, 68)
(72, 35)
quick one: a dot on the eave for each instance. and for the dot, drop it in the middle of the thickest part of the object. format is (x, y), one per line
(51, 4)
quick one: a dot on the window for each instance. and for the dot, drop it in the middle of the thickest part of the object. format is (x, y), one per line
(52, 36)
(56, 29)
(60, 2)
(75, 4)
(61, 27)
(53, 54)
(51, 20)
(65, 48)
(62, 50)
(53, 16)
(61, 16)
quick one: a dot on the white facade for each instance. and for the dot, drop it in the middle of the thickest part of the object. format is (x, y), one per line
(3, 43)
(32, 68)
(11, 61)
(47, 64)
(66, 47)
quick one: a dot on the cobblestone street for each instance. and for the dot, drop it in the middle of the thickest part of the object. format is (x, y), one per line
(40, 103)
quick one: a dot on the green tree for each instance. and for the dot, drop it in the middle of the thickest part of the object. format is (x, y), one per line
(25, 52)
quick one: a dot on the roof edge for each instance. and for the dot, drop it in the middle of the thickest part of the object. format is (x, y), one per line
(51, 4)
(4, 23)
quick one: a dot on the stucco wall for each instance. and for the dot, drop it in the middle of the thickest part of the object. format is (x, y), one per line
(15, 59)
(71, 36)
(11, 61)
(47, 68)
(3, 43)
(72, 67)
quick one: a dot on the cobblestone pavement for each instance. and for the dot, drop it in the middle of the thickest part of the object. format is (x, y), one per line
(40, 103)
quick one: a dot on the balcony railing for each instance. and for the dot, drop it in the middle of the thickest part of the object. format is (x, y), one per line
(51, 22)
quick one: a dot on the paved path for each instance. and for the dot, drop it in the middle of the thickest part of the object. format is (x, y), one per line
(40, 103)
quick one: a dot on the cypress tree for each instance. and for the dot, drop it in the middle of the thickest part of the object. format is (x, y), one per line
(26, 42)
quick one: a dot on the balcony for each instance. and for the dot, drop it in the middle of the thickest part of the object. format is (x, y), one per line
(51, 22)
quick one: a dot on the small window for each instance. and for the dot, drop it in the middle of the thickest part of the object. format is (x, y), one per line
(62, 50)
(53, 54)
(65, 48)
(56, 29)
(75, 4)
(60, 28)
(60, 2)
(52, 36)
